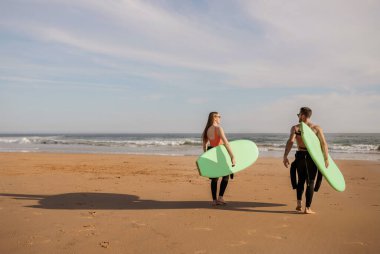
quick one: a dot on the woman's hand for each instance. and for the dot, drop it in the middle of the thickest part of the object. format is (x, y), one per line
(233, 161)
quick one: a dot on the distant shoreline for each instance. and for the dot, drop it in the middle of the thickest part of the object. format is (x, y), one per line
(341, 146)
(268, 155)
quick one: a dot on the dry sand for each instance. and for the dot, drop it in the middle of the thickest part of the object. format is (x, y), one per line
(87, 203)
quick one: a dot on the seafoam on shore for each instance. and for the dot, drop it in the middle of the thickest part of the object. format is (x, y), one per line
(341, 146)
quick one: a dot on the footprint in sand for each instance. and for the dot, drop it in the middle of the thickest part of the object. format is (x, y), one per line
(240, 243)
(357, 243)
(42, 240)
(251, 231)
(200, 251)
(87, 228)
(203, 229)
(136, 224)
(282, 226)
(277, 237)
(104, 244)
(36, 239)
(160, 214)
(89, 215)
(28, 243)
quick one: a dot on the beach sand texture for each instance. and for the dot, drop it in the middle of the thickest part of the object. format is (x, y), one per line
(93, 203)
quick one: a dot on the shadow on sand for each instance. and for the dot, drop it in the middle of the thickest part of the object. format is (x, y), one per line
(114, 201)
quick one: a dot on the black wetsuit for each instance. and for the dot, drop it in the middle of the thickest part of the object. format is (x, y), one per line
(214, 184)
(293, 177)
(307, 172)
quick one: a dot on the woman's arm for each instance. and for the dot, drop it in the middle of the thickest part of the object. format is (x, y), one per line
(205, 146)
(227, 145)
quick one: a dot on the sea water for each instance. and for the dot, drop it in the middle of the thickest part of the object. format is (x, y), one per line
(358, 146)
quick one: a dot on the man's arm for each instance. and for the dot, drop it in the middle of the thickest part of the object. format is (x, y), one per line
(289, 146)
(324, 146)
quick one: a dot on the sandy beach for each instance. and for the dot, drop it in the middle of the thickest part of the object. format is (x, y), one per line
(93, 203)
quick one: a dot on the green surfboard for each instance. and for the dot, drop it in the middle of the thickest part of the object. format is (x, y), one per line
(216, 162)
(332, 174)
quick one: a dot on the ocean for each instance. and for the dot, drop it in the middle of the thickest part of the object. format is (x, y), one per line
(357, 146)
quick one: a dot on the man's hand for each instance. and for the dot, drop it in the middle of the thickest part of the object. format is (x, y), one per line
(327, 163)
(286, 161)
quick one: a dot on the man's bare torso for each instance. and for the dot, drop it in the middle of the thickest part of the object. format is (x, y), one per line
(297, 132)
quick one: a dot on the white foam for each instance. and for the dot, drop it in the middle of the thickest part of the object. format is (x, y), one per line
(354, 148)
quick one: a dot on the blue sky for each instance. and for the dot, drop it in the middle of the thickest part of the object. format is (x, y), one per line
(161, 66)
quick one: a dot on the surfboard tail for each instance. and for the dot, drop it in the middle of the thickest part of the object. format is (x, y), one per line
(199, 171)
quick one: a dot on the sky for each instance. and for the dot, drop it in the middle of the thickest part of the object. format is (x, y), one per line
(124, 66)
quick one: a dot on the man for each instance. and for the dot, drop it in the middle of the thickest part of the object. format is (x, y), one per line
(306, 168)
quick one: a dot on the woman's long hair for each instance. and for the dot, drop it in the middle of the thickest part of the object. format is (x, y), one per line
(210, 121)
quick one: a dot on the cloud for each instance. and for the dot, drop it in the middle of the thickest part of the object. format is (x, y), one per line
(62, 84)
(153, 97)
(197, 100)
(324, 54)
(335, 112)
(328, 43)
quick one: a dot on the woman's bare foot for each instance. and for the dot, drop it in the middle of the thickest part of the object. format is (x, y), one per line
(309, 211)
(214, 203)
(221, 201)
(299, 206)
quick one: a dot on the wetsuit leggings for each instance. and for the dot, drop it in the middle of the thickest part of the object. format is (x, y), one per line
(307, 171)
(214, 185)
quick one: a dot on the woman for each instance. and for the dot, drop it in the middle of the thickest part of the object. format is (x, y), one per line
(213, 134)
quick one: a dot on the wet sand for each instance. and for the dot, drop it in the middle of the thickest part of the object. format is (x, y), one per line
(91, 203)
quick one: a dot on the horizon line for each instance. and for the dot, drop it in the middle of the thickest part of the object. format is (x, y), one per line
(107, 133)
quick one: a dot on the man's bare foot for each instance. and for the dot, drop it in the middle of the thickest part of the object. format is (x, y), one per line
(221, 201)
(309, 211)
